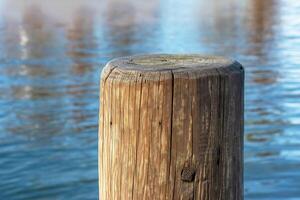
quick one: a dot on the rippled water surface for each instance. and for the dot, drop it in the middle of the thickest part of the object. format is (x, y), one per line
(51, 55)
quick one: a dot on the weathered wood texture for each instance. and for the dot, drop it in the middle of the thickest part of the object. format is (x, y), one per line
(171, 127)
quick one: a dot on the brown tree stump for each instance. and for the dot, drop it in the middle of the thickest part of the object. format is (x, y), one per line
(171, 127)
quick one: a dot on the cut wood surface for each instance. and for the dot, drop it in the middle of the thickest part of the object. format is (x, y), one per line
(171, 127)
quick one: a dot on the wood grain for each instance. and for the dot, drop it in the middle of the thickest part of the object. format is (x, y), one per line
(171, 127)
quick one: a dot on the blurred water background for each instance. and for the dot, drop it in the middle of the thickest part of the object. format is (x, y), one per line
(51, 55)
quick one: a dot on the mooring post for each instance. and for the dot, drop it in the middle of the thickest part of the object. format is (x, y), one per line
(171, 127)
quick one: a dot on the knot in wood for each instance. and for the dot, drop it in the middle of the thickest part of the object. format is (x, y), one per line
(188, 174)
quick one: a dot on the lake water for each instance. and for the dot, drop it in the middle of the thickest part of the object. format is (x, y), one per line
(51, 56)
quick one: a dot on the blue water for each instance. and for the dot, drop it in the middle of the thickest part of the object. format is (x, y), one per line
(51, 56)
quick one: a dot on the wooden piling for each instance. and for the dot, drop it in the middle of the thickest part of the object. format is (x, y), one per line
(171, 127)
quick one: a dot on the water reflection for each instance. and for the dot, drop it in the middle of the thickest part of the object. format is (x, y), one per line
(81, 40)
(40, 47)
(262, 21)
(221, 20)
(52, 53)
(128, 25)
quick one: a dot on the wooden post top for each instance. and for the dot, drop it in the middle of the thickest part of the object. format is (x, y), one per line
(176, 64)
